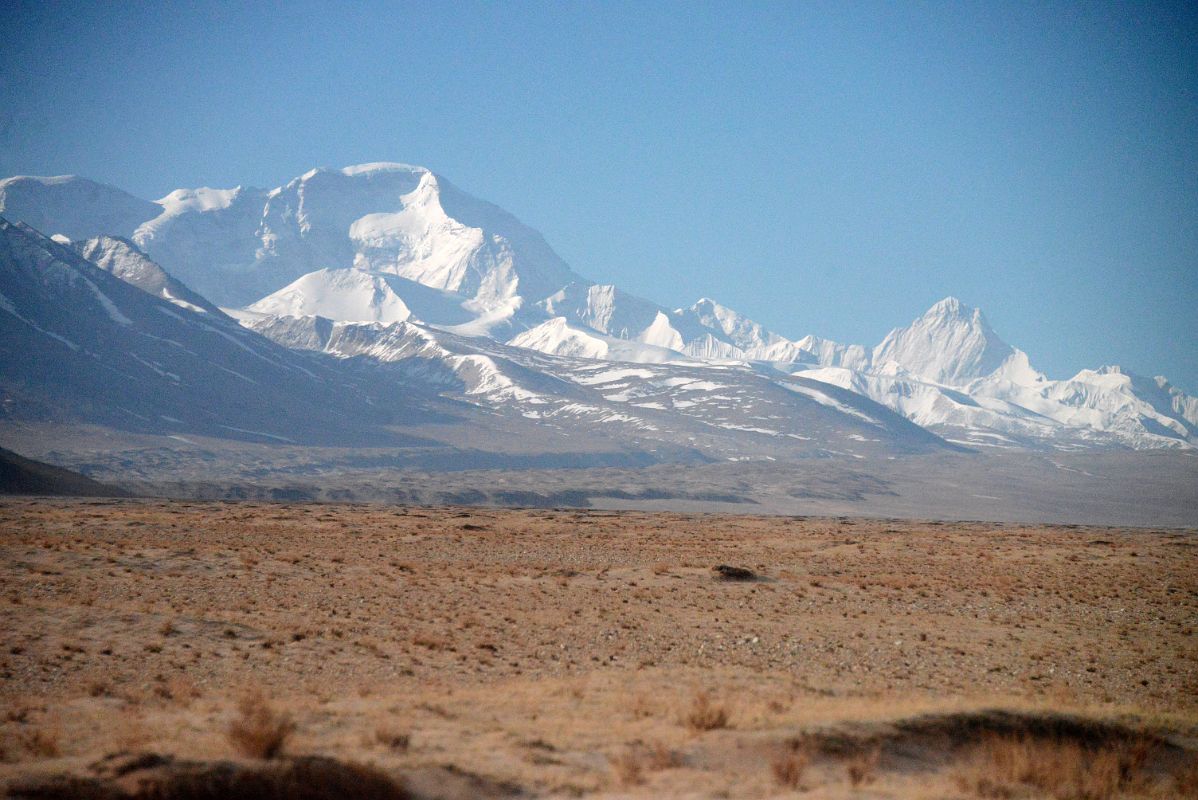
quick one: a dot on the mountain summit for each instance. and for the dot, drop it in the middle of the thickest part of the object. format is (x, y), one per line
(951, 344)
(236, 245)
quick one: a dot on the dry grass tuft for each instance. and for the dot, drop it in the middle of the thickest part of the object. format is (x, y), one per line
(631, 765)
(788, 768)
(863, 766)
(1185, 782)
(642, 706)
(399, 741)
(629, 769)
(431, 641)
(1008, 766)
(129, 732)
(706, 715)
(659, 757)
(258, 730)
(41, 742)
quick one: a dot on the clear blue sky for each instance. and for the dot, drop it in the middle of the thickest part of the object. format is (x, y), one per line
(825, 168)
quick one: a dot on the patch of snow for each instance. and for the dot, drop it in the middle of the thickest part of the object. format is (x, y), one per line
(166, 294)
(106, 303)
(612, 375)
(258, 433)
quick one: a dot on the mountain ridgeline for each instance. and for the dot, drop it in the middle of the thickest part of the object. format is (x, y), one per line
(381, 304)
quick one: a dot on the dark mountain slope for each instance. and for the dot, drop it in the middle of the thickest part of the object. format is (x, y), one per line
(20, 475)
(79, 344)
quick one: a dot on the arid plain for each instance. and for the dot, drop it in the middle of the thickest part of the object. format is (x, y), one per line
(465, 652)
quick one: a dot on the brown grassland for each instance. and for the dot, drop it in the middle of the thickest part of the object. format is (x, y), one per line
(189, 649)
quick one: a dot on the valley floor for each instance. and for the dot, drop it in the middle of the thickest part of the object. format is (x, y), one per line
(557, 653)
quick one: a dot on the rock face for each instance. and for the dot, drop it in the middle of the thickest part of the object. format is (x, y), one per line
(391, 243)
(728, 573)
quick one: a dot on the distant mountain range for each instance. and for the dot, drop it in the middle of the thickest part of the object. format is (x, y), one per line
(380, 304)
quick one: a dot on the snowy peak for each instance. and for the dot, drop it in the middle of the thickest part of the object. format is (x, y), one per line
(951, 308)
(203, 199)
(347, 295)
(76, 207)
(407, 221)
(603, 308)
(718, 320)
(237, 245)
(1108, 375)
(1139, 409)
(1182, 405)
(950, 344)
(740, 330)
(432, 233)
(828, 353)
(81, 345)
(369, 169)
(557, 337)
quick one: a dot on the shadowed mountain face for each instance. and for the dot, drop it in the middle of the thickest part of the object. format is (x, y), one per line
(77, 342)
(19, 475)
(122, 258)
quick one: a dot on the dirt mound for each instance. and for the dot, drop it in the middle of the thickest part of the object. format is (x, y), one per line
(1049, 751)
(969, 727)
(947, 733)
(148, 776)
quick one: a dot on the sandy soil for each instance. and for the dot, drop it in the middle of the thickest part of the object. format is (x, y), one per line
(476, 652)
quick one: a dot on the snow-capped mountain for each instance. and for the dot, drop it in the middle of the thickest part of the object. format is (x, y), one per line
(343, 294)
(72, 206)
(353, 295)
(556, 336)
(121, 343)
(391, 244)
(952, 345)
(236, 245)
(79, 343)
(732, 411)
(950, 372)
